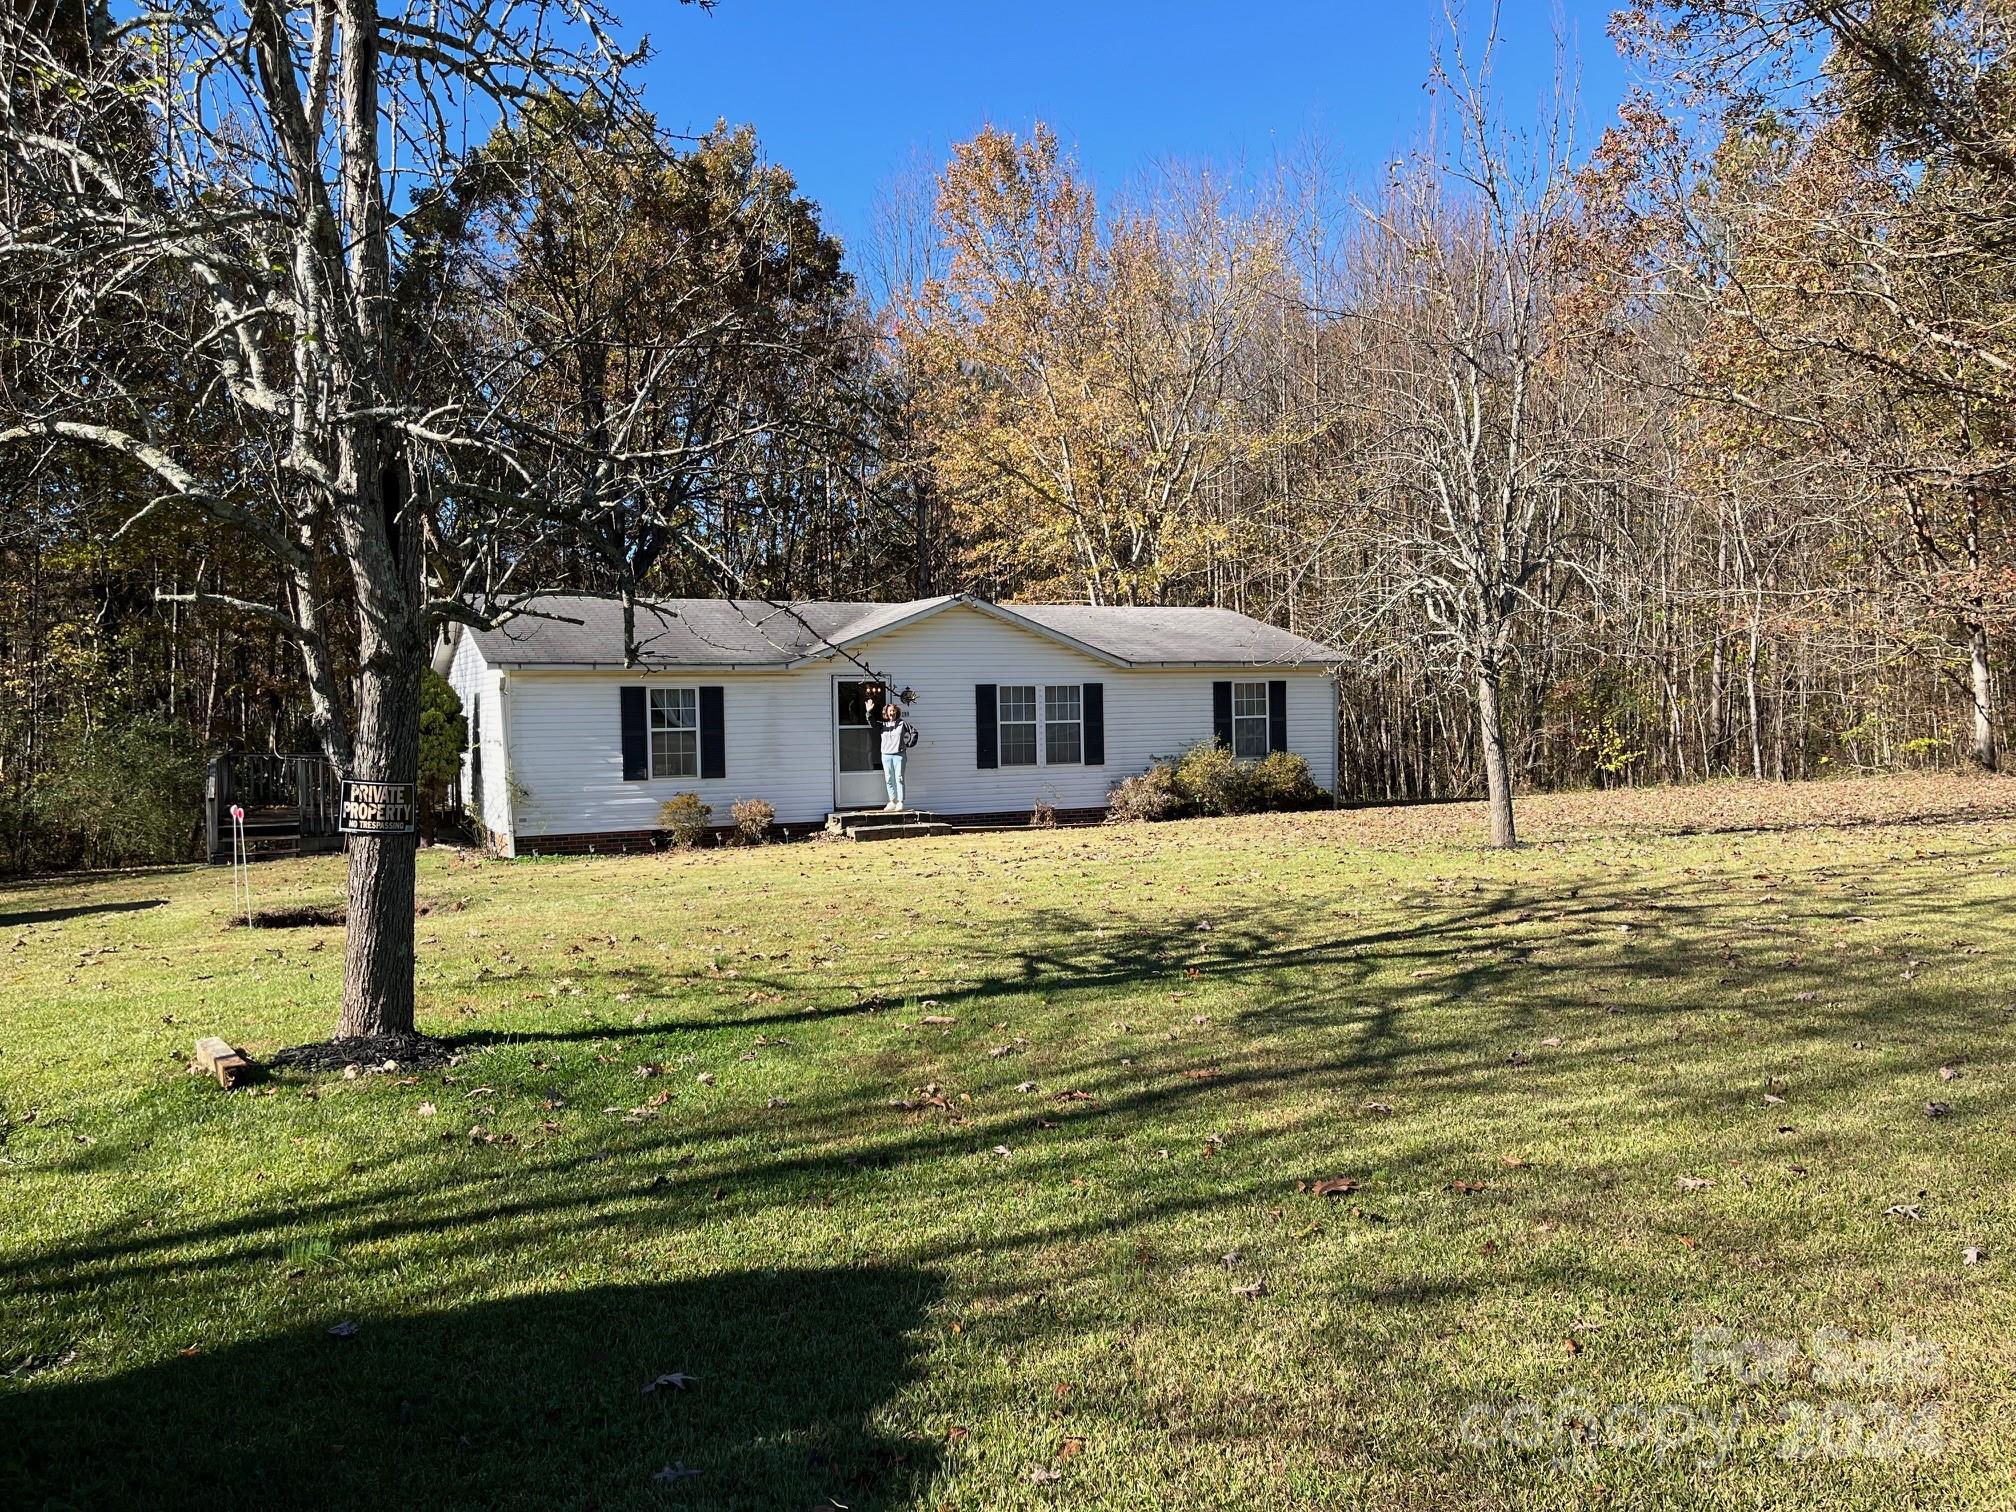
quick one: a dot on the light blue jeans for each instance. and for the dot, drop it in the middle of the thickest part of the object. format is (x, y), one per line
(892, 775)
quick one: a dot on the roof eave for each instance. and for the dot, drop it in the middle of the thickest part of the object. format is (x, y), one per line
(1007, 615)
(1306, 663)
(690, 670)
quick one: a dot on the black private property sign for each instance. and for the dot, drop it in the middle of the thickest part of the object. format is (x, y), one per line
(377, 808)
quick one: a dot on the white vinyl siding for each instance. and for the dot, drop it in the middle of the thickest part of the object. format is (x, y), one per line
(486, 762)
(675, 732)
(1249, 719)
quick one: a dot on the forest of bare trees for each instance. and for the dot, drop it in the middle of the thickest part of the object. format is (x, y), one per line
(1650, 449)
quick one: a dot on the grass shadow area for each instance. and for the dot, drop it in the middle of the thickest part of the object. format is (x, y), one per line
(535, 1402)
(26, 917)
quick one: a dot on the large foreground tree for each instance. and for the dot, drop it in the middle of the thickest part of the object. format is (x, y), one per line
(208, 204)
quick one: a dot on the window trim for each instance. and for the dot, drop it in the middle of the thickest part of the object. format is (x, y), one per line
(653, 729)
(1040, 723)
(1034, 724)
(1076, 726)
(1263, 719)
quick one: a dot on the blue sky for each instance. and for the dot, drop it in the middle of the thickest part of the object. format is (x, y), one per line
(845, 93)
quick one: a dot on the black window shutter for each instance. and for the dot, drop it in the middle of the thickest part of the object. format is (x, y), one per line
(636, 737)
(1277, 715)
(986, 730)
(713, 735)
(1221, 711)
(1093, 705)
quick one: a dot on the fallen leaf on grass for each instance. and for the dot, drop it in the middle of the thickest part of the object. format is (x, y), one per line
(1251, 1290)
(1972, 1255)
(426, 1110)
(345, 1330)
(1336, 1186)
(1949, 1073)
(1937, 1109)
(1042, 1475)
(1904, 1210)
(676, 1380)
(1514, 1162)
(676, 1472)
(1070, 1447)
(1465, 1188)
(1693, 1183)
(938, 1018)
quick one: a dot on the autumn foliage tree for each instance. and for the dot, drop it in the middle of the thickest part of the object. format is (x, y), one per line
(1077, 377)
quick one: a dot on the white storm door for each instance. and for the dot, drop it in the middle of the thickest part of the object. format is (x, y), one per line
(857, 745)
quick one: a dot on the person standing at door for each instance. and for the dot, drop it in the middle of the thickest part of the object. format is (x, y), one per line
(898, 735)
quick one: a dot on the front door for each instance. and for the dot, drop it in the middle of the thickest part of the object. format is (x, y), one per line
(857, 748)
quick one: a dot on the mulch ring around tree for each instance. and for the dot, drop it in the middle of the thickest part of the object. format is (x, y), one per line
(388, 1054)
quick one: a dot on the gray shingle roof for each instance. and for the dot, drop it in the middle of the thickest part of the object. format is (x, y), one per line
(576, 630)
(1166, 637)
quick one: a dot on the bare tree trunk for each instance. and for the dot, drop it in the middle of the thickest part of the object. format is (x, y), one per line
(1497, 772)
(1751, 701)
(378, 957)
(378, 945)
(1982, 680)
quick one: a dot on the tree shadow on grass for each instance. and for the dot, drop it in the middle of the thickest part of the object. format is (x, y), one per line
(76, 911)
(534, 1402)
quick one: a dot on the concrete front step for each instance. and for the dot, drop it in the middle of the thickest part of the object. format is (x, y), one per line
(897, 831)
(881, 824)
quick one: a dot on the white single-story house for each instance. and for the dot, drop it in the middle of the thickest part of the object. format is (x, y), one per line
(571, 750)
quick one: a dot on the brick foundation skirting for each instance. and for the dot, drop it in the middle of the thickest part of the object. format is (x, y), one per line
(634, 842)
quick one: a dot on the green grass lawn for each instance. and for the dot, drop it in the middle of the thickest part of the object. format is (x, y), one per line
(974, 1173)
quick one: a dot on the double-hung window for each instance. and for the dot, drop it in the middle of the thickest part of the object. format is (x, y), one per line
(1063, 725)
(675, 732)
(1249, 719)
(1017, 720)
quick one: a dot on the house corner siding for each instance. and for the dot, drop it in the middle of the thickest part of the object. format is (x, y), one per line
(486, 763)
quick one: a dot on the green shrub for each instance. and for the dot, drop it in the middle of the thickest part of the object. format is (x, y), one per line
(685, 820)
(1282, 783)
(753, 818)
(1149, 796)
(125, 794)
(1208, 779)
(1211, 780)
(444, 735)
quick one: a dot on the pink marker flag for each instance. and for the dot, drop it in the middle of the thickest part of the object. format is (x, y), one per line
(237, 812)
